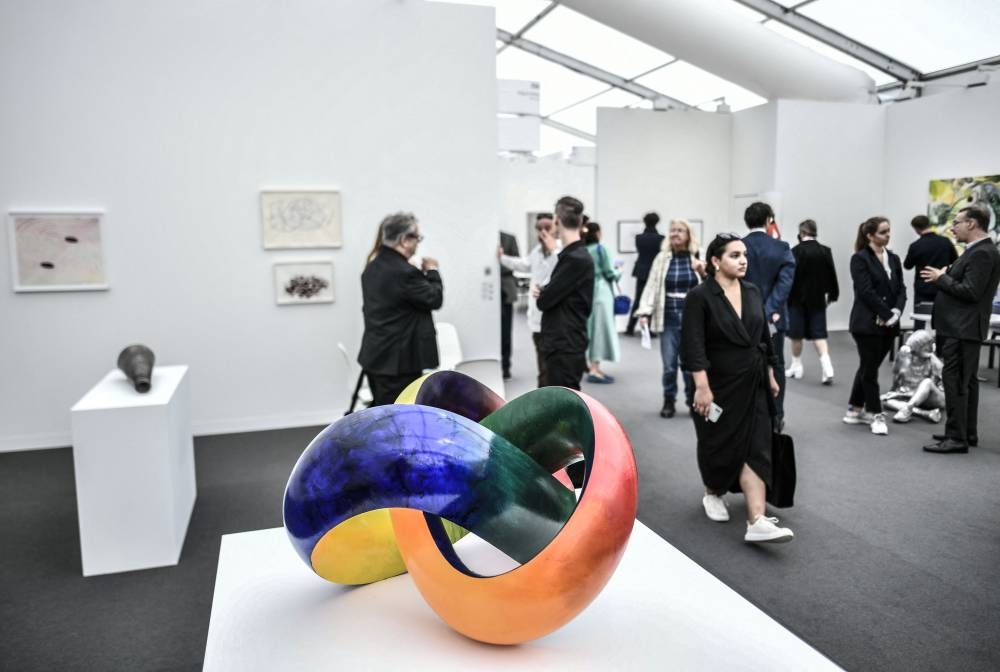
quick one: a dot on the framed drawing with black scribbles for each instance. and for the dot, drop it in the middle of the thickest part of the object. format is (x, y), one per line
(300, 218)
(303, 282)
(56, 251)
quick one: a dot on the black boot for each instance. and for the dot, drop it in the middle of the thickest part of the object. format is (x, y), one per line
(668, 408)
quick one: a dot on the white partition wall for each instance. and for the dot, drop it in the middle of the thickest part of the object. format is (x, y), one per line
(828, 168)
(676, 163)
(170, 118)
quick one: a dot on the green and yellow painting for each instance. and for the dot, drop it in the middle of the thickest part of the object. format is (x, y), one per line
(948, 197)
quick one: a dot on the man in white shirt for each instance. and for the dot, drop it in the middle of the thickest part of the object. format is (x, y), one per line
(539, 262)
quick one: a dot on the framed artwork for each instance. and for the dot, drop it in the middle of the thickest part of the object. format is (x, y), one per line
(303, 282)
(949, 196)
(628, 229)
(300, 219)
(56, 252)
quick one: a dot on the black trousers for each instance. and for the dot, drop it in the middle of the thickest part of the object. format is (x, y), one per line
(871, 353)
(640, 284)
(565, 369)
(542, 378)
(961, 388)
(506, 325)
(385, 388)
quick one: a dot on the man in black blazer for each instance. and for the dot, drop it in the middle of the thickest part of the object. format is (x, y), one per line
(508, 297)
(566, 300)
(647, 244)
(814, 288)
(770, 266)
(929, 249)
(399, 340)
(962, 308)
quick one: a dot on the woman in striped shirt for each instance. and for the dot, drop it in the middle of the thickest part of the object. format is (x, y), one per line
(676, 269)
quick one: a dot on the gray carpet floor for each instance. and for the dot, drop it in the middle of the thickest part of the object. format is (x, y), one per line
(892, 567)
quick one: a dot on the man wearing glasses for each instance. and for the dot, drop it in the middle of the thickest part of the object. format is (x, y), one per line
(399, 340)
(961, 317)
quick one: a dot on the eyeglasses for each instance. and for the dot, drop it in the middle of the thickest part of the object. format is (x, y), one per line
(957, 221)
(415, 236)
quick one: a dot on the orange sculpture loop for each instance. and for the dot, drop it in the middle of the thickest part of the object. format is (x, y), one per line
(549, 590)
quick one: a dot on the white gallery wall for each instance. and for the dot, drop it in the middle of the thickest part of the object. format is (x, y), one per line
(529, 184)
(170, 118)
(672, 162)
(828, 167)
(942, 136)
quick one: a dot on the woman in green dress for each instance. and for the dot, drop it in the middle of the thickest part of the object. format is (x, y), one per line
(601, 330)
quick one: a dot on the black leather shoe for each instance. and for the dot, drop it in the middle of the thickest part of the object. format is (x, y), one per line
(668, 410)
(947, 446)
(973, 440)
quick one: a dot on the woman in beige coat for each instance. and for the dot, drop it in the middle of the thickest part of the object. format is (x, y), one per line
(676, 269)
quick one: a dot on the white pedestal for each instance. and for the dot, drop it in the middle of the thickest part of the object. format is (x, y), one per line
(660, 611)
(134, 460)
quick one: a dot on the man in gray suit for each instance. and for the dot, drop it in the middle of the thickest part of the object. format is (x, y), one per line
(962, 308)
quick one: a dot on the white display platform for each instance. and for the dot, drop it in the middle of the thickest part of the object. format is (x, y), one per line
(660, 611)
(134, 460)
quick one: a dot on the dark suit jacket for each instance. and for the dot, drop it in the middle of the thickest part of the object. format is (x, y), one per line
(965, 294)
(647, 244)
(771, 266)
(875, 293)
(399, 330)
(815, 282)
(929, 249)
(566, 301)
(508, 283)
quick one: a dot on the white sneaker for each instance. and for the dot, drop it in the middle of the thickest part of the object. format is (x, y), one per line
(858, 417)
(795, 370)
(904, 414)
(764, 530)
(715, 508)
(934, 415)
(878, 425)
(827, 366)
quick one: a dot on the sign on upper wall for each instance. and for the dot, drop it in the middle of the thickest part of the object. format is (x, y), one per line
(949, 196)
(517, 96)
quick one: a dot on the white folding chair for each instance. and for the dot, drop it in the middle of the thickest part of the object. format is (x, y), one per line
(486, 371)
(365, 393)
(449, 347)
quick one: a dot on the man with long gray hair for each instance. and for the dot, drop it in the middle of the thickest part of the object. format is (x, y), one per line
(399, 340)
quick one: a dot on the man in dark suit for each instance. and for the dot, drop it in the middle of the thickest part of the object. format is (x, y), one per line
(962, 308)
(929, 249)
(814, 288)
(399, 340)
(647, 244)
(508, 297)
(566, 301)
(770, 266)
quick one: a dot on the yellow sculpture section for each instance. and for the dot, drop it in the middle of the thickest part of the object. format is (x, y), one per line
(363, 549)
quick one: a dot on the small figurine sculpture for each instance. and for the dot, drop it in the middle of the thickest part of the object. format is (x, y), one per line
(916, 380)
(136, 362)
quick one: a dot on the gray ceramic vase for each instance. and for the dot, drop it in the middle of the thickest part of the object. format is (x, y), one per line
(136, 361)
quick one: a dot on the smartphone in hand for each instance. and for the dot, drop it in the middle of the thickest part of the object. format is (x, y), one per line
(714, 411)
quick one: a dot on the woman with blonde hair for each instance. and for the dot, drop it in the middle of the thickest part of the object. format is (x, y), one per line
(675, 271)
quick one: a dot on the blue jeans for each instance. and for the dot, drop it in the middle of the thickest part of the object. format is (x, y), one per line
(670, 341)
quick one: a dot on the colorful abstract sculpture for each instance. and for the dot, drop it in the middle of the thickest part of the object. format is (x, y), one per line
(388, 489)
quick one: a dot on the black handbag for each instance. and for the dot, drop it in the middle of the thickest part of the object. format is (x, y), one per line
(781, 494)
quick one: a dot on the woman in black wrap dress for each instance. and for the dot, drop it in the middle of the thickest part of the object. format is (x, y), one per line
(727, 347)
